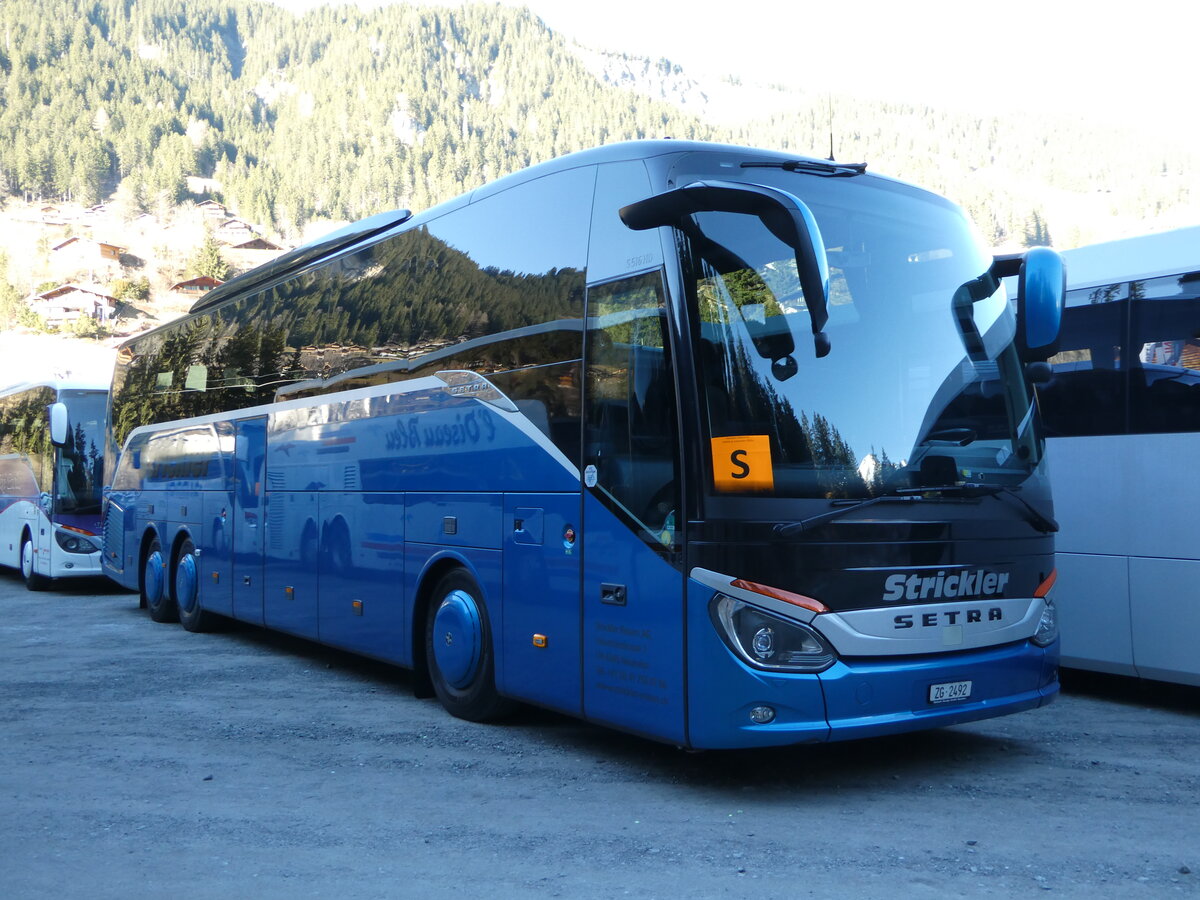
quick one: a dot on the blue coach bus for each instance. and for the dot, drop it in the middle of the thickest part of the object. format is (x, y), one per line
(720, 446)
(51, 471)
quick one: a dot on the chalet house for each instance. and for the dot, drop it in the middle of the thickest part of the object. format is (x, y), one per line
(196, 287)
(257, 243)
(212, 208)
(86, 253)
(69, 302)
(234, 231)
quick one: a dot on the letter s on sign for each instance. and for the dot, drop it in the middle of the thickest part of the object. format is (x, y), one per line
(741, 469)
(743, 463)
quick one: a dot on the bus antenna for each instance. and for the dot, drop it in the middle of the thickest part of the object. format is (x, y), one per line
(830, 96)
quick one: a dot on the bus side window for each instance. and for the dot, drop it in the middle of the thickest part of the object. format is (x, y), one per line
(1088, 392)
(631, 408)
(1164, 391)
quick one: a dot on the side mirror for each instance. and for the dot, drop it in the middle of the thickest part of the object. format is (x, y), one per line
(1041, 295)
(58, 424)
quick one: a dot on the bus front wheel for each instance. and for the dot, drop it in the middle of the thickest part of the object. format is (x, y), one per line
(33, 581)
(458, 650)
(155, 595)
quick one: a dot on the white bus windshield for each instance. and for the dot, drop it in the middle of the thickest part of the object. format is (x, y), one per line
(80, 461)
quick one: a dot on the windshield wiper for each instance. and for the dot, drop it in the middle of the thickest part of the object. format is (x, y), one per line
(1035, 517)
(968, 493)
(972, 490)
(786, 529)
(813, 167)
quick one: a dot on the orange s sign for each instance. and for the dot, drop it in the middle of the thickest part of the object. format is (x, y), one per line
(742, 463)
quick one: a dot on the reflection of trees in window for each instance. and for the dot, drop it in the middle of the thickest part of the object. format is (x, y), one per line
(631, 416)
(740, 399)
(385, 307)
(26, 431)
(832, 457)
(877, 470)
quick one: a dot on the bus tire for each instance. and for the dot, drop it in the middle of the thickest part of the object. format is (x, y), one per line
(185, 590)
(458, 650)
(156, 596)
(33, 581)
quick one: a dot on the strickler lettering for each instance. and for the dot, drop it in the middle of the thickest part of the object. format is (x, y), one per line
(943, 585)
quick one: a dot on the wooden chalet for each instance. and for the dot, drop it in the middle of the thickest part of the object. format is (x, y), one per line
(69, 302)
(196, 287)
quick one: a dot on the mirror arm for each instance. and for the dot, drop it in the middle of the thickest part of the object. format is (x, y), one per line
(783, 215)
(965, 297)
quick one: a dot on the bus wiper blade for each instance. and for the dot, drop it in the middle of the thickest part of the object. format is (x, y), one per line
(813, 167)
(789, 528)
(1037, 519)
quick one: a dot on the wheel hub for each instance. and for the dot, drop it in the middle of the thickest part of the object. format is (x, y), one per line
(458, 652)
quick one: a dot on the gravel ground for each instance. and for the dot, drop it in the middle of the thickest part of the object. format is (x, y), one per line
(137, 760)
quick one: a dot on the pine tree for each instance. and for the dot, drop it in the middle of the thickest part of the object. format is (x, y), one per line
(208, 260)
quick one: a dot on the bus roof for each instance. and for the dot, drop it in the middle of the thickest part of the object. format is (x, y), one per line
(1133, 259)
(57, 384)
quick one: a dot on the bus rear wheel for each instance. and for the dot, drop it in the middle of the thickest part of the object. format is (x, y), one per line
(185, 590)
(458, 650)
(33, 581)
(155, 595)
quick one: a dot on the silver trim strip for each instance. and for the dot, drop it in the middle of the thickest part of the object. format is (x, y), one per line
(936, 627)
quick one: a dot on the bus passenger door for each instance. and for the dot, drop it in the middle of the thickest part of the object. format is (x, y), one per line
(249, 519)
(633, 609)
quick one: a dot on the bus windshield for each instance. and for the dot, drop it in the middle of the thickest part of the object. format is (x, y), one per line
(80, 461)
(907, 398)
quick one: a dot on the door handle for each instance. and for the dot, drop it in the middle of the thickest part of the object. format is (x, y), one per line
(613, 594)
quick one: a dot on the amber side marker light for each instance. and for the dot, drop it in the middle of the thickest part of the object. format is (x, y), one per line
(786, 596)
(1048, 585)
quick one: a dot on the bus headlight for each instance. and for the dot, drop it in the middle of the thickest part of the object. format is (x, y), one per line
(74, 543)
(767, 641)
(1047, 629)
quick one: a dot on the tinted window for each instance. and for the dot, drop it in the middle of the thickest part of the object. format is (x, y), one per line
(25, 432)
(494, 287)
(631, 416)
(1165, 377)
(1088, 393)
(1130, 360)
(80, 460)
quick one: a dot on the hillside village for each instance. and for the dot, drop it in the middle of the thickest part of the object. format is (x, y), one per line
(101, 272)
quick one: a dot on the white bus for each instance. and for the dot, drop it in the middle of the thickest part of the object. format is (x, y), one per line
(51, 471)
(1123, 418)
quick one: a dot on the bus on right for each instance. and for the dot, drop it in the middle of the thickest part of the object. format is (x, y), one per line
(1122, 418)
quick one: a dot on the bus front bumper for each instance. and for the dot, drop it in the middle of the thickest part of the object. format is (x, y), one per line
(862, 698)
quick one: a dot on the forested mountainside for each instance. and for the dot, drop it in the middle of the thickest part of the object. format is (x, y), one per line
(341, 113)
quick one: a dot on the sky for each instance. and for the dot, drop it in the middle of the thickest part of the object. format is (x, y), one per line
(1080, 57)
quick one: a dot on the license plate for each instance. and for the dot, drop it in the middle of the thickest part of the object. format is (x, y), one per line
(951, 690)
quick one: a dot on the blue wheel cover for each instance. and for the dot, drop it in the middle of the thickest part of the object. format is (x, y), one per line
(458, 638)
(186, 583)
(153, 577)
